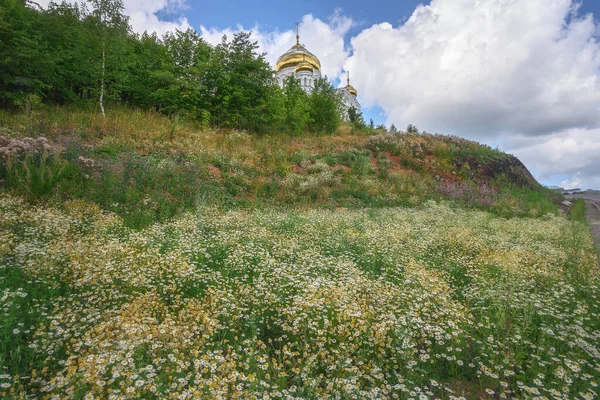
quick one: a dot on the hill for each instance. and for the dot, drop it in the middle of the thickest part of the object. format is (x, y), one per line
(142, 257)
(146, 167)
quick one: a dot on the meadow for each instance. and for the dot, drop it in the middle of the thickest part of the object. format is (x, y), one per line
(142, 257)
(429, 302)
(148, 168)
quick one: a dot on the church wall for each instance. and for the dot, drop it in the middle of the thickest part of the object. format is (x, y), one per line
(281, 75)
(348, 101)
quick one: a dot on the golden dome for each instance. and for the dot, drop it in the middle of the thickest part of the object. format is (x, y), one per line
(352, 91)
(350, 88)
(297, 55)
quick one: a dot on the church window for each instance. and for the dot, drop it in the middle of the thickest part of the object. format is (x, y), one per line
(305, 82)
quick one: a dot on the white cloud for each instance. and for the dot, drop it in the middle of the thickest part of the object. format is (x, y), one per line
(572, 183)
(573, 152)
(143, 14)
(494, 70)
(324, 39)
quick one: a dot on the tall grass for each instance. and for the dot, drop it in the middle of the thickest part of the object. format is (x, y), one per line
(87, 122)
(148, 168)
(37, 176)
(577, 212)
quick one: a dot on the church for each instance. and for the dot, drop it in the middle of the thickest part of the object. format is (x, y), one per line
(306, 68)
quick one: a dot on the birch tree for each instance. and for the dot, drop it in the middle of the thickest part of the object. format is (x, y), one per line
(109, 17)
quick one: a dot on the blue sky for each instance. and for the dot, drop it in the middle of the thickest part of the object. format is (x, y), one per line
(273, 16)
(283, 14)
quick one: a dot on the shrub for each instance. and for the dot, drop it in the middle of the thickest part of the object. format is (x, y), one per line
(312, 187)
(33, 167)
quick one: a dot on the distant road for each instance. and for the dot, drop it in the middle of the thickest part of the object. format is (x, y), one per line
(591, 195)
(592, 200)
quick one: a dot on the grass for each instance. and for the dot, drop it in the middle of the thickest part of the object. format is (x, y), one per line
(577, 212)
(433, 301)
(136, 164)
(148, 258)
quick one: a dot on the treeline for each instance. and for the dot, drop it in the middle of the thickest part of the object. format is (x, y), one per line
(82, 53)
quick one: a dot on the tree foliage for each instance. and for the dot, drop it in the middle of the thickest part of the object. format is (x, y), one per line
(412, 129)
(296, 106)
(82, 53)
(324, 107)
(356, 118)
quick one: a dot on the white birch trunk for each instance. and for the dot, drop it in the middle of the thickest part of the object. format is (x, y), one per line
(102, 82)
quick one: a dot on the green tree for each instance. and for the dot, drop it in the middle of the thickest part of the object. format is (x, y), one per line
(393, 129)
(412, 129)
(324, 107)
(296, 106)
(178, 87)
(271, 112)
(355, 117)
(25, 61)
(148, 70)
(64, 38)
(237, 86)
(249, 78)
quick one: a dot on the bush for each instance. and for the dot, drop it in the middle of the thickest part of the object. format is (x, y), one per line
(33, 167)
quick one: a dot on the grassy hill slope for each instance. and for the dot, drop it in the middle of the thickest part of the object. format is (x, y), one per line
(147, 168)
(145, 258)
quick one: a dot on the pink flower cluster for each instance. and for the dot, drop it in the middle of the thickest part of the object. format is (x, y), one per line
(482, 194)
(20, 147)
(87, 162)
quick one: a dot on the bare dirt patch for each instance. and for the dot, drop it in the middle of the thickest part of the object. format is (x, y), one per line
(214, 170)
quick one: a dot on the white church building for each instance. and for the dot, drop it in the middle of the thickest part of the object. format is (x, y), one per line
(306, 68)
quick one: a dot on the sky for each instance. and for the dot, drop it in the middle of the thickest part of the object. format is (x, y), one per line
(519, 75)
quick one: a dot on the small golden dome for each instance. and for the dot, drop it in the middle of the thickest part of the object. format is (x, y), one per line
(350, 88)
(304, 65)
(352, 91)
